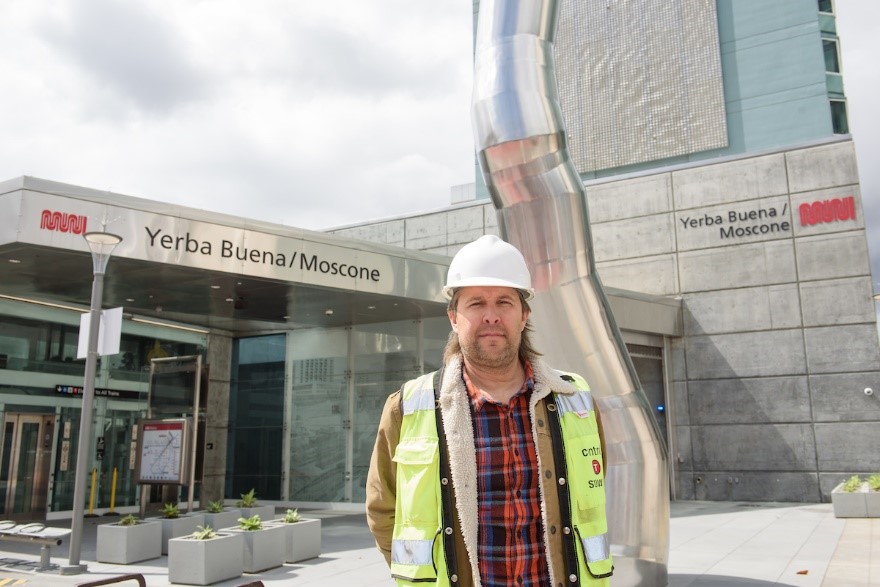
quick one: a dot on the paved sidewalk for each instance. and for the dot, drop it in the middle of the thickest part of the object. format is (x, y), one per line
(712, 544)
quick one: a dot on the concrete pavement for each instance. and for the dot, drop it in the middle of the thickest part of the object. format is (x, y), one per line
(712, 544)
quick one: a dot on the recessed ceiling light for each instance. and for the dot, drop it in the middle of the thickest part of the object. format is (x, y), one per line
(230, 300)
(286, 317)
(16, 261)
(129, 299)
(371, 307)
(215, 287)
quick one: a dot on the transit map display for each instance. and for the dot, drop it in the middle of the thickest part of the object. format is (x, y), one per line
(162, 452)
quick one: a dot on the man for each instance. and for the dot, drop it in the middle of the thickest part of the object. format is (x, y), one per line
(490, 472)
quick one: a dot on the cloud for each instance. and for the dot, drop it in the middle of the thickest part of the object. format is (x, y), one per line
(124, 49)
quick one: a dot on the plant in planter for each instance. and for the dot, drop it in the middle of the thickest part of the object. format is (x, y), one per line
(218, 516)
(174, 524)
(263, 544)
(205, 557)
(849, 499)
(249, 507)
(302, 536)
(872, 496)
(129, 540)
(171, 511)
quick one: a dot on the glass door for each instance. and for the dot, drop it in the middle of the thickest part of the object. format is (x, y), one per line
(24, 465)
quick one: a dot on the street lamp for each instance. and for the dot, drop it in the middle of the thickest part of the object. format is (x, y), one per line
(101, 244)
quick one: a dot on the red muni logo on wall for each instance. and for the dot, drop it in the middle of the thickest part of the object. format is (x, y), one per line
(824, 211)
(63, 222)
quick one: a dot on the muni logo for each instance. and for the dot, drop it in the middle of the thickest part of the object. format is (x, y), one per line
(63, 222)
(823, 211)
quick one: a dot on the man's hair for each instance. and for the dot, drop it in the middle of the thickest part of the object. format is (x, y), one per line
(527, 351)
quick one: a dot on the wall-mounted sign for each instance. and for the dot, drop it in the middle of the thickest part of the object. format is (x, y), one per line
(276, 257)
(64, 460)
(825, 211)
(99, 392)
(739, 223)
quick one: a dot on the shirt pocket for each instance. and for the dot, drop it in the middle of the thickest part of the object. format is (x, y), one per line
(418, 480)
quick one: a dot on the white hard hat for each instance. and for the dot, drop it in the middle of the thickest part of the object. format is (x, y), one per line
(489, 261)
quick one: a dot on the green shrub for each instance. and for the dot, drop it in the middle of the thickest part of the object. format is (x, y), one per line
(248, 500)
(204, 533)
(129, 520)
(215, 507)
(874, 482)
(250, 524)
(291, 517)
(171, 511)
(852, 484)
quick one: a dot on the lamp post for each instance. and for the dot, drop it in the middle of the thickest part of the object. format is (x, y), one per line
(101, 244)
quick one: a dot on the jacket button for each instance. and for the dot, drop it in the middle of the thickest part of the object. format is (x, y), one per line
(453, 578)
(566, 530)
(553, 529)
(548, 473)
(448, 531)
(540, 423)
(573, 578)
(562, 480)
(444, 481)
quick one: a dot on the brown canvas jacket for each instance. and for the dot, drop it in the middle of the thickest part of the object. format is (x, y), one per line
(381, 479)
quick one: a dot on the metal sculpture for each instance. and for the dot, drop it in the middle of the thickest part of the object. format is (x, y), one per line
(540, 198)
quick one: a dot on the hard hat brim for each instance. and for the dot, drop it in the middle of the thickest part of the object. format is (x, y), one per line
(449, 289)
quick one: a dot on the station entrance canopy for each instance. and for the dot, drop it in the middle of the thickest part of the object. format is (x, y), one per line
(202, 268)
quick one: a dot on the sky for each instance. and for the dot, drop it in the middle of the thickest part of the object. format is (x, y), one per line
(313, 114)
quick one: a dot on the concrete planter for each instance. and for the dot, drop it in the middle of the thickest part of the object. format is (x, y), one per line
(850, 505)
(224, 519)
(263, 549)
(181, 526)
(266, 512)
(302, 539)
(872, 501)
(203, 562)
(123, 545)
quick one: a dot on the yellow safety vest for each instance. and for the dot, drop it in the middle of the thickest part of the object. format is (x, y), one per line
(418, 554)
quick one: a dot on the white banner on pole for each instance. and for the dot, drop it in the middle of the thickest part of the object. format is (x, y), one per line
(109, 334)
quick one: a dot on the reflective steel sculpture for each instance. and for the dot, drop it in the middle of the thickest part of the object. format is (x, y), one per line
(520, 140)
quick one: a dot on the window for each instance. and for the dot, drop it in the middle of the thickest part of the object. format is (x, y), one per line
(839, 121)
(826, 6)
(832, 61)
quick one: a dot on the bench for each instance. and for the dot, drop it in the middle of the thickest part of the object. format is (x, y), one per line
(34, 533)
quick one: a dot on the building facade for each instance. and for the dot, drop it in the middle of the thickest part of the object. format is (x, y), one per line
(711, 137)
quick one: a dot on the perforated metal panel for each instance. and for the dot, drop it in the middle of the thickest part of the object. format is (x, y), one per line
(639, 80)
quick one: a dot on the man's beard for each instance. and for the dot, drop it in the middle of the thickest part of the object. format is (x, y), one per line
(490, 357)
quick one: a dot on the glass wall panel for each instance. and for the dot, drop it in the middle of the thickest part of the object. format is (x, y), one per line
(436, 332)
(65, 462)
(320, 414)
(385, 356)
(256, 417)
(50, 347)
(117, 432)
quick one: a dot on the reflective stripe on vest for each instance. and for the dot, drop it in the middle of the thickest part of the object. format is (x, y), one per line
(417, 558)
(412, 552)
